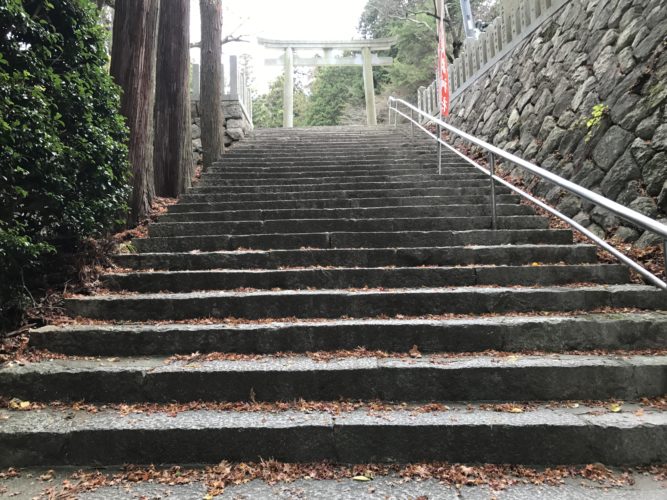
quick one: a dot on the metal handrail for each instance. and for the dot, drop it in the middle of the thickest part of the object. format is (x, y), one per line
(595, 198)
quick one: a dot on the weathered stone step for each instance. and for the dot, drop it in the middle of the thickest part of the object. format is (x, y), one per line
(336, 186)
(351, 161)
(346, 213)
(260, 174)
(350, 172)
(349, 193)
(359, 277)
(565, 436)
(278, 226)
(338, 143)
(364, 257)
(333, 149)
(331, 203)
(429, 378)
(474, 334)
(269, 156)
(353, 240)
(215, 180)
(362, 303)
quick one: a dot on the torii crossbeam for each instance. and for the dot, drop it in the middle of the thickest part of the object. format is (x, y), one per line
(367, 59)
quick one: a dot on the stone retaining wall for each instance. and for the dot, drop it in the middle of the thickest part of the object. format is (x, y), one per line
(237, 125)
(584, 96)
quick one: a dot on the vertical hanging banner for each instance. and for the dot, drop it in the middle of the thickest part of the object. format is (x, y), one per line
(443, 73)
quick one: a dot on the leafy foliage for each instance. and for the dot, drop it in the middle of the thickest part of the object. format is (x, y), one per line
(63, 166)
(267, 109)
(413, 23)
(333, 88)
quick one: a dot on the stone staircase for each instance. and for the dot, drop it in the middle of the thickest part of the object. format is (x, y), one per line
(301, 247)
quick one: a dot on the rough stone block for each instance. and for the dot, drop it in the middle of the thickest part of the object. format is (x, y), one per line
(624, 170)
(648, 43)
(626, 234)
(628, 35)
(654, 173)
(648, 126)
(233, 123)
(583, 90)
(235, 133)
(196, 132)
(659, 141)
(626, 60)
(641, 152)
(611, 146)
(645, 205)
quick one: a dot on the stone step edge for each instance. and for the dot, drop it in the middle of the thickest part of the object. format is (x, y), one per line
(509, 200)
(293, 377)
(518, 246)
(310, 268)
(565, 436)
(495, 290)
(466, 321)
(360, 209)
(509, 333)
(303, 277)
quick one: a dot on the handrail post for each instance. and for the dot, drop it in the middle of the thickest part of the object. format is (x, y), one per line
(439, 150)
(412, 124)
(492, 172)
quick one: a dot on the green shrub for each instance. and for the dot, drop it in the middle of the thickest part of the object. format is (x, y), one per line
(63, 154)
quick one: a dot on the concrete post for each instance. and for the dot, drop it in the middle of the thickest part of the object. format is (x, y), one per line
(194, 82)
(233, 78)
(288, 90)
(369, 89)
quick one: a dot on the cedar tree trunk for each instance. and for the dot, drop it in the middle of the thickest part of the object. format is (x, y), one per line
(173, 132)
(210, 104)
(133, 69)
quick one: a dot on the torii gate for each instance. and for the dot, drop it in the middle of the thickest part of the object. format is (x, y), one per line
(367, 59)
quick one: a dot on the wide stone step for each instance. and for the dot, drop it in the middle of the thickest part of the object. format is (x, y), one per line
(346, 213)
(270, 378)
(359, 277)
(338, 144)
(333, 170)
(376, 239)
(363, 257)
(507, 333)
(387, 192)
(207, 179)
(270, 156)
(336, 186)
(361, 303)
(262, 174)
(332, 203)
(349, 162)
(460, 434)
(162, 229)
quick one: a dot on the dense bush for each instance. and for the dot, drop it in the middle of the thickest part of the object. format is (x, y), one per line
(63, 155)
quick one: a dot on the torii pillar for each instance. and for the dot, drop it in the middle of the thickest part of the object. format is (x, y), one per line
(367, 59)
(288, 89)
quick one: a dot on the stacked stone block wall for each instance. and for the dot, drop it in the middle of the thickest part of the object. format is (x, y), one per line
(237, 125)
(584, 96)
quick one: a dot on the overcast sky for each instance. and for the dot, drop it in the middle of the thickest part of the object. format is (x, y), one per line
(284, 20)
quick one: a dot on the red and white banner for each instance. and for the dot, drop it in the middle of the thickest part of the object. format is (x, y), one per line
(443, 73)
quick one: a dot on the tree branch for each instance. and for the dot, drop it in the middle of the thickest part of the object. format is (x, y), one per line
(226, 39)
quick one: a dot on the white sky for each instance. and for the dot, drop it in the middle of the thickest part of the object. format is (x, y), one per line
(279, 19)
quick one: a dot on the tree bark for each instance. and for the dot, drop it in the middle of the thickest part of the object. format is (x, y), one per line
(133, 69)
(173, 133)
(212, 130)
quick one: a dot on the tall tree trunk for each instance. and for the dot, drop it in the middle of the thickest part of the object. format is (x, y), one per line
(173, 132)
(133, 69)
(212, 130)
